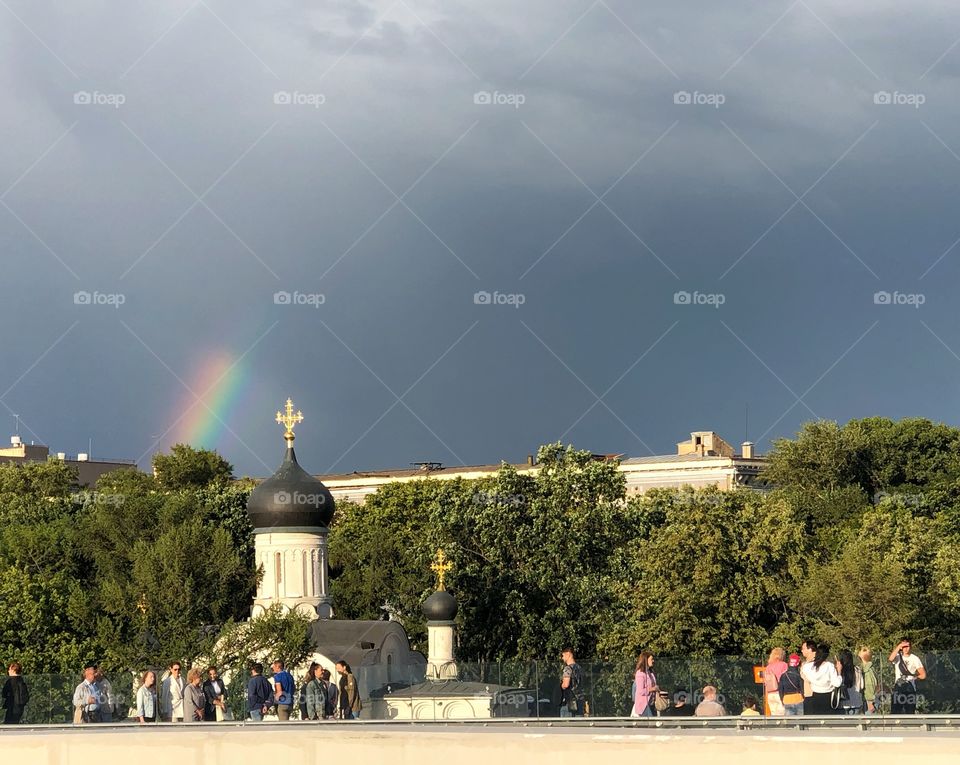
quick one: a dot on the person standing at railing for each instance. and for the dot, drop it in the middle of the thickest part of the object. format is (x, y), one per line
(171, 695)
(772, 673)
(107, 699)
(870, 681)
(214, 692)
(571, 686)
(147, 698)
(851, 691)
(282, 690)
(824, 680)
(333, 693)
(193, 698)
(315, 695)
(259, 693)
(86, 698)
(645, 686)
(791, 688)
(349, 695)
(907, 669)
(16, 695)
(808, 649)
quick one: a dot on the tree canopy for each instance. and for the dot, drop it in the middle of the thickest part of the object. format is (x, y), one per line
(858, 541)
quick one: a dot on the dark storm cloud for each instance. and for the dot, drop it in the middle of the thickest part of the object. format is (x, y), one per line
(681, 209)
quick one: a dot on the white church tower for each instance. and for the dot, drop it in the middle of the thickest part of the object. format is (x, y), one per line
(291, 513)
(440, 610)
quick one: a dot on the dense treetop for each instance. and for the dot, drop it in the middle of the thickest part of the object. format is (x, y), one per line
(858, 542)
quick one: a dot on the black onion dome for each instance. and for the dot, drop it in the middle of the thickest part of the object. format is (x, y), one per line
(440, 607)
(290, 498)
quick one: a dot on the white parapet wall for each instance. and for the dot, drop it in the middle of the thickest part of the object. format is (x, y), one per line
(400, 744)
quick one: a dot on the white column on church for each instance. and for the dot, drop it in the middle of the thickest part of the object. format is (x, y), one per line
(440, 663)
(289, 561)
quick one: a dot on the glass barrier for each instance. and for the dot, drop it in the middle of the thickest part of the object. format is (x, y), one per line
(514, 689)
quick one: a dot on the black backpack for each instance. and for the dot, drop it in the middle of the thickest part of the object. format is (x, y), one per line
(20, 693)
(573, 695)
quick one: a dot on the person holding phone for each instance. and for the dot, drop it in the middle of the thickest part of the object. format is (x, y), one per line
(907, 669)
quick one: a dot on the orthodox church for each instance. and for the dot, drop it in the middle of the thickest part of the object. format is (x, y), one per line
(291, 512)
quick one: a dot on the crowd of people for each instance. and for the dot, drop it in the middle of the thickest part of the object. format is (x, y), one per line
(201, 696)
(813, 682)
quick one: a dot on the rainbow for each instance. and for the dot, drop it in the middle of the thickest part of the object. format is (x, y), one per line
(221, 384)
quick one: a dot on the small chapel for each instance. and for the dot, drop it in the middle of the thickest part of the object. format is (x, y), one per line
(291, 512)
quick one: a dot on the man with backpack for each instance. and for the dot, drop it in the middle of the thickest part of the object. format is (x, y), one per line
(15, 695)
(259, 693)
(572, 699)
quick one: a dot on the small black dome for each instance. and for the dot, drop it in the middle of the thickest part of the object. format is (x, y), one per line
(440, 607)
(289, 498)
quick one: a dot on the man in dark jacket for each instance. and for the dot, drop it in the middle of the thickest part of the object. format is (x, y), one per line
(213, 692)
(349, 696)
(15, 695)
(259, 693)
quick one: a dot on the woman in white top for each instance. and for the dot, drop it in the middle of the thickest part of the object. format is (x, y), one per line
(823, 678)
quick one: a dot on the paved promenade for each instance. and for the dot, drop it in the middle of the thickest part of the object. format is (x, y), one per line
(470, 744)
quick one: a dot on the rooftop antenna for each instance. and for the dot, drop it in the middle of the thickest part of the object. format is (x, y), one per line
(90, 448)
(17, 417)
(746, 422)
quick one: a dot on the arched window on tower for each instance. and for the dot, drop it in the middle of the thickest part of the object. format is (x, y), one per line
(278, 576)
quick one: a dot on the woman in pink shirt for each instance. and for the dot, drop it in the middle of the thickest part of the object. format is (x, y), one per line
(644, 687)
(774, 670)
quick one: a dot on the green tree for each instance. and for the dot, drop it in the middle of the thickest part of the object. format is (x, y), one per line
(186, 467)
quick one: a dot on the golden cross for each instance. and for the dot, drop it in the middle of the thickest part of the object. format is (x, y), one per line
(441, 566)
(289, 420)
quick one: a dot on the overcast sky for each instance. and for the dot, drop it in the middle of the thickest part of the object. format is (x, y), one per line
(453, 231)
